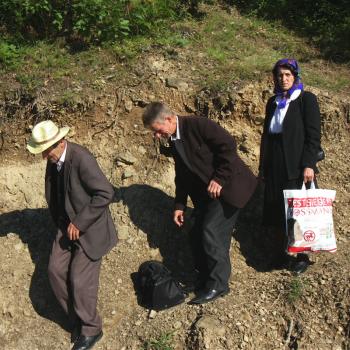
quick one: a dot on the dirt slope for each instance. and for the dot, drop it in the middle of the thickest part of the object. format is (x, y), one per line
(262, 305)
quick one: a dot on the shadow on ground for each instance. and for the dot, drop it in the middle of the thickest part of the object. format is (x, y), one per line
(254, 244)
(35, 229)
(150, 210)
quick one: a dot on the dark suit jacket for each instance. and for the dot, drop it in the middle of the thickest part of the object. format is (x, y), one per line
(212, 153)
(301, 134)
(87, 196)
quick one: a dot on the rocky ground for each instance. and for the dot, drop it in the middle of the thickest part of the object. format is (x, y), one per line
(264, 309)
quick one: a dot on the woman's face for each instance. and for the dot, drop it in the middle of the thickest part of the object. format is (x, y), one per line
(285, 78)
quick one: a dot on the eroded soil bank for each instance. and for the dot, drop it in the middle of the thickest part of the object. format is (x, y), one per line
(264, 310)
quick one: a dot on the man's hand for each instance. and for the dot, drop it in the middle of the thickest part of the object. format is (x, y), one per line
(309, 175)
(73, 232)
(214, 189)
(179, 217)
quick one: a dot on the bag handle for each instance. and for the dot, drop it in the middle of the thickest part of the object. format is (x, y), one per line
(312, 186)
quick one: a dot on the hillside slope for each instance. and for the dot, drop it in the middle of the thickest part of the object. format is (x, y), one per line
(265, 309)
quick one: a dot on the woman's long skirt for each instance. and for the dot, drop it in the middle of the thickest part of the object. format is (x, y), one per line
(276, 180)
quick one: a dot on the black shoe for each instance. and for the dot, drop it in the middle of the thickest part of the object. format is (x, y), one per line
(85, 343)
(299, 267)
(205, 295)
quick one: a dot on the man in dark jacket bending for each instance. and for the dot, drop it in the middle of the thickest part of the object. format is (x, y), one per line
(209, 170)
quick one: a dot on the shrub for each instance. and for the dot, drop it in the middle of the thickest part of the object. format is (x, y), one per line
(92, 20)
(8, 53)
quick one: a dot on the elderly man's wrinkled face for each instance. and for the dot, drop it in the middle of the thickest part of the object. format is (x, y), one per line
(53, 153)
(285, 79)
(164, 128)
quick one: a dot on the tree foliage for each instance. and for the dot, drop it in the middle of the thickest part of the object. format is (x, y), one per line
(94, 21)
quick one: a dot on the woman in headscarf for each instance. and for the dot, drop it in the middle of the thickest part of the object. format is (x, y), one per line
(289, 152)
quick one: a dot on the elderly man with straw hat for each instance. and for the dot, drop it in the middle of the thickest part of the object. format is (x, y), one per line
(78, 195)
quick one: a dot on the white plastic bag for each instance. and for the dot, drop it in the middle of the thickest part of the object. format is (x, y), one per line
(309, 220)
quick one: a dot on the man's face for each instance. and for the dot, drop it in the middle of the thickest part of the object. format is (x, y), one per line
(53, 153)
(164, 128)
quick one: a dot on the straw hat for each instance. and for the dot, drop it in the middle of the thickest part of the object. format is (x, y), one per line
(44, 135)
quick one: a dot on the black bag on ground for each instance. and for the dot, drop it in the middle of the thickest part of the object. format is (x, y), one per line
(158, 288)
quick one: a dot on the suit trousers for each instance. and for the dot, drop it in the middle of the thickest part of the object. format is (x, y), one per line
(210, 240)
(74, 278)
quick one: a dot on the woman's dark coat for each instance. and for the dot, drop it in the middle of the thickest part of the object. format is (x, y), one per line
(300, 134)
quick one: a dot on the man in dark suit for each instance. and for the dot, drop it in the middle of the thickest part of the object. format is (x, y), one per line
(209, 170)
(78, 195)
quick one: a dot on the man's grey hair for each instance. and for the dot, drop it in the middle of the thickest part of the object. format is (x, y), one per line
(155, 112)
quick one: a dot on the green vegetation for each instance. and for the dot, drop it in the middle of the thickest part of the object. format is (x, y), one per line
(163, 342)
(8, 53)
(61, 44)
(297, 288)
(246, 48)
(325, 22)
(91, 21)
(243, 48)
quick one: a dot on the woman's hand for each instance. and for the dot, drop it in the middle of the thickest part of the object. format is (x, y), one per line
(309, 175)
(179, 217)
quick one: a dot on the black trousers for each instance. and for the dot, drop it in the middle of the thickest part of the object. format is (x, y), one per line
(210, 240)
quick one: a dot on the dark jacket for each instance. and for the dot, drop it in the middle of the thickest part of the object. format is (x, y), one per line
(301, 134)
(212, 153)
(87, 196)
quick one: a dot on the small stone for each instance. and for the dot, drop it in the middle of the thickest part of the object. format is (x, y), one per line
(18, 246)
(126, 158)
(128, 173)
(211, 325)
(177, 325)
(128, 105)
(138, 323)
(176, 83)
(246, 316)
(72, 131)
(10, 311)
(241, 329)
(123, 232)
(152, 314)
(141, 150)
(26, 312)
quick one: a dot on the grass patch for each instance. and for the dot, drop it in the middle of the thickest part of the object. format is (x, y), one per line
(246, 48)
(296, 289)
(133, 48)
(162, 342)
(224, 48)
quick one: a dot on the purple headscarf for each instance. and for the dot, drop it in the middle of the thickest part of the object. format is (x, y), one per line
(293, 66)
